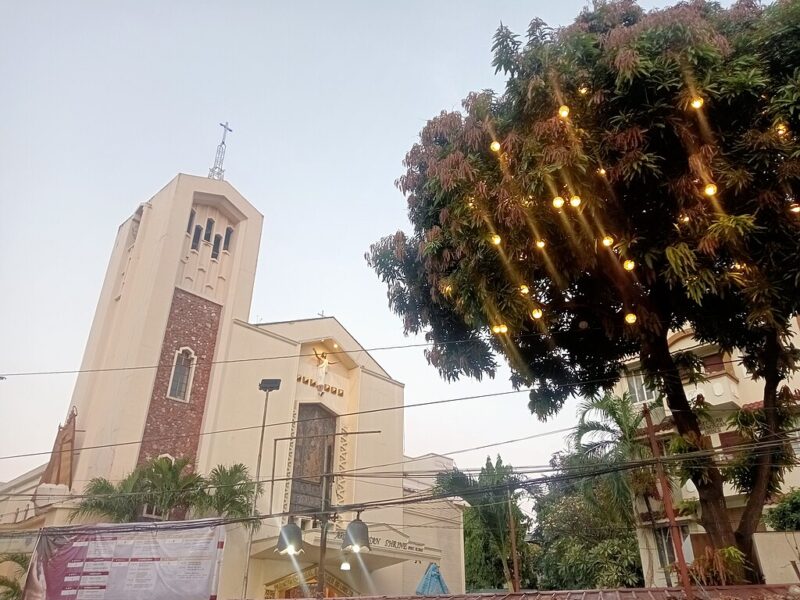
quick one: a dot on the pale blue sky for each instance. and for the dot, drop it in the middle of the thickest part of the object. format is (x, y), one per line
(104, 102)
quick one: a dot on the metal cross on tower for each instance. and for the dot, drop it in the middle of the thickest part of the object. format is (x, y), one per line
(217, 172)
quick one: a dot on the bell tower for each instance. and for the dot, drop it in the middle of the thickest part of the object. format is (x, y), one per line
(182, 269)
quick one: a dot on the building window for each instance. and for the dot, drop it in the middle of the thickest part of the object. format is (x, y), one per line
(666, 550)
(192, 216)
(228, 236)
(638, 390)
(151, 513)
(217, 243)
(209, 230)
(713, 364)
(198, 231)
(180, 383)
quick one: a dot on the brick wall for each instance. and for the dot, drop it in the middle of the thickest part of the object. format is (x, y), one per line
(193, 322)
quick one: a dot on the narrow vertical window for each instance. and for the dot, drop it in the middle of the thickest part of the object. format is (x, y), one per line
(228, 236)
(198, 231)
(209, 230)
(217, 243)
(180, 381)
(192, 216)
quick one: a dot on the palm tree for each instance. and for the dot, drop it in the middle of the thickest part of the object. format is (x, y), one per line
(11, 586)
(487, 496)
(229, 492)
(119, 503)
(171, 487)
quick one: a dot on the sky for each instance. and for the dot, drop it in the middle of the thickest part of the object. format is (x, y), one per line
(104, 102)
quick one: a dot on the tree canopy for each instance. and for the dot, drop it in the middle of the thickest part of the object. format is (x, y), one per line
(637, 175)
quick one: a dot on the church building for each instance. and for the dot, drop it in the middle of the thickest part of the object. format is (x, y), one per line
(173, 367)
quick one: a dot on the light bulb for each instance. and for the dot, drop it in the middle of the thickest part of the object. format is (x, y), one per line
(496, 239)
(563, 111)
(503, 328)
(356, 548)
(335, 345)
(684, 218)
(540, 244)
(781, 129)
(697, 102)
(583, 90)
(537, 313)
(628, 265)
(575, 201)
(630, 318)
(495, 146)
(345, 566)
(524, 290)
(710, 189)
(601, 171)
(608, 241)
(290, 550)
(495, 328)
(794, 207)
(558, 202)
(448, 289)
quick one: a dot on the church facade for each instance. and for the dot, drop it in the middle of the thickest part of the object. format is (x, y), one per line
(172, 367)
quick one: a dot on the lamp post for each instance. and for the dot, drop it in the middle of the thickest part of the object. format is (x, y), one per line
(266, 386)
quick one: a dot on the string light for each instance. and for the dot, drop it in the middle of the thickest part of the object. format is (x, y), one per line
(558, 202)
(575, 201)
(540, 244)
(496, 239)
(794, 207)
(601, 171)
(583, 90)
(448, 289)
(684, 218)
(608, 241)
(495, 146)
(697, 102)
(537, 313)
(630, 318)
(710, 189)
(501, 328)
(563, 111)
(781, 129)
(628, 265)
(524, 290)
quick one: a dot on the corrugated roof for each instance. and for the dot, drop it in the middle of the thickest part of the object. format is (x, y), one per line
(738, 592)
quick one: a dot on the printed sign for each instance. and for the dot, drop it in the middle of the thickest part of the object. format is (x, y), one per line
(118, 562)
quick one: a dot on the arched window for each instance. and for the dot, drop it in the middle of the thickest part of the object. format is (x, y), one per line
(180, 383)
(198, 231)
(215, 249)
(209, 229)
(228, 235)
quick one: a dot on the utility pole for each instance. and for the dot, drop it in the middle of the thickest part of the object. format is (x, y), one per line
(323, 524)
(666, 495)
(514, 556)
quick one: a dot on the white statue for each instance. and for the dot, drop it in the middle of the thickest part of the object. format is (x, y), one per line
(322, 370)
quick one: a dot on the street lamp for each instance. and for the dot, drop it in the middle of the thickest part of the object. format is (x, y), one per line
(290, 540)
(266, 386)
(356, 536)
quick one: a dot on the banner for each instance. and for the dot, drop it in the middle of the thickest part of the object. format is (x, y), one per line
(142, 561)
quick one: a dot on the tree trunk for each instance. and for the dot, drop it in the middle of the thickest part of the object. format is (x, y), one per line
(657, 359)
(757, 497)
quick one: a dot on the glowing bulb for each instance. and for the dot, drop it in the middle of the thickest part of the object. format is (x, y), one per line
(563, 111)
(345, 566)
(495, 146)
(684, 218)
(503, 329)
(471, 204)
(448, 289)
(356, 548)
(537, 313)
(697, 102)
(558, 202)
(575, 201)
(601, 171)
(628, 265)
(524, 290)
(710, 189)
(608, 241)
(794, 207)
(630, 318)
(290, 550)
(781, 129)
(540, 244)
(495, 328)
(737, 266)
(583, 90)
(335, 345)
(496, 239)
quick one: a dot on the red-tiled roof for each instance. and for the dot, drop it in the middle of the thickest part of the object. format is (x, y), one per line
(739, 592)
(753, 405)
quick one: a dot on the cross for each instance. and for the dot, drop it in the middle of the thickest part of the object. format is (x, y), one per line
(321, 313)
(225, 130)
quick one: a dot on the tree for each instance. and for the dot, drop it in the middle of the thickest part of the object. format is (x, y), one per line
(487, 530)
(229, 492)
(786, 515)
(638, 175)
(11, 586)
(118, 503)
(170, 487)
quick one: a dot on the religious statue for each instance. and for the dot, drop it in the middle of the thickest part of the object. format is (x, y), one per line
(323, 363)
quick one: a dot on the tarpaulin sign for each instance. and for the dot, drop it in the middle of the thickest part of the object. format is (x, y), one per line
(126, 562)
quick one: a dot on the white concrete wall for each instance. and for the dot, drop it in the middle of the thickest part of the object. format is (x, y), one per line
(779, 555)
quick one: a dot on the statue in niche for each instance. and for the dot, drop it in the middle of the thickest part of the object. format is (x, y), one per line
(323, 364)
